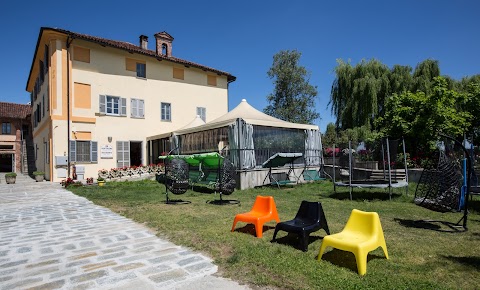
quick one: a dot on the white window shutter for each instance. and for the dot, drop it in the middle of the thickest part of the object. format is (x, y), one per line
(133, 108)
(123, 154)
(73, 151)
(123, 112)
(141, 108)
(103, 107)
(93, 151)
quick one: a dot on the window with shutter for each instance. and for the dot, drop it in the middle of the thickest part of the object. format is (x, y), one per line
(93, 151)
(123, 154)
(141, 70)
(141, 109)
(123, 111)
(133, 108)
(73, 151)
(114, 106)
(166, 112)
(83, 151)
(202, 112)
(102, 108)
(137, 108)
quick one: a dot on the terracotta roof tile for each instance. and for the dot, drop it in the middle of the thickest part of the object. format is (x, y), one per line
(14, 111)
(137, 49)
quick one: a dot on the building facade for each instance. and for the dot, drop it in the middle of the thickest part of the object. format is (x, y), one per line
(15, 137)
(95, 100)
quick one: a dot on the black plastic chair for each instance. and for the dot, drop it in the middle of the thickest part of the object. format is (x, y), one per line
(310, 218)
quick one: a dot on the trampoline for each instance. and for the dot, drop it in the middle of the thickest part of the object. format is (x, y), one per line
(389, 151)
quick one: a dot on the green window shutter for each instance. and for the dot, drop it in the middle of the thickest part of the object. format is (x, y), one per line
(73, 151)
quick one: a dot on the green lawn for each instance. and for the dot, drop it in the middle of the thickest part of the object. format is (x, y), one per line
(420, 257)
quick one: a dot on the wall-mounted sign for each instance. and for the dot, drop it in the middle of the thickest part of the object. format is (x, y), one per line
(106, 152)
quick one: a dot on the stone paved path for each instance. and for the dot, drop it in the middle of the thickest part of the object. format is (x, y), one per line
(53, 239)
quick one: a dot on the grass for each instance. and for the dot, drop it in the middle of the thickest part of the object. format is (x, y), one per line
(422, 255)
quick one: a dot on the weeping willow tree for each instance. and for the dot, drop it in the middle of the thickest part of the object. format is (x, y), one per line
(359, 92)
(423, 76)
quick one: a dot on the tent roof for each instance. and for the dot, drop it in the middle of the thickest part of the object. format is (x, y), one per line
(250, 115)
(243, 111)
(194, 123)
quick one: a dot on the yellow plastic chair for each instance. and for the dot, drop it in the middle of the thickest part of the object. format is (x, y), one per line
(362, 234)
(263, 210)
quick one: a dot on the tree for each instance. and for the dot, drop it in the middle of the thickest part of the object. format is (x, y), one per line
(420, 116)
(293, 99)
(424, 74)
(359, 92)
(330, 136)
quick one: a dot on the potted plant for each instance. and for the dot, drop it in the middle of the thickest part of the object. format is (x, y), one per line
(10, 177)
(90, 180)
(101, 181)
(67, 182)
(39, 175)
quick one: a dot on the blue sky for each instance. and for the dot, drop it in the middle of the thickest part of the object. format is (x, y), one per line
(241, 37)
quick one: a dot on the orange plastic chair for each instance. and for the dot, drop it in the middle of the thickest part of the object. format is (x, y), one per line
(263, 210)
(362, 234)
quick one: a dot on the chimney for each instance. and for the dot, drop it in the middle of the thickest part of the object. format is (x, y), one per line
(143, 41)
(164, 44)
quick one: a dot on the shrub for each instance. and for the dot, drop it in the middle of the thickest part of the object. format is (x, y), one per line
(67, 182)
(100, 179)
(38, 173)
(11, 174)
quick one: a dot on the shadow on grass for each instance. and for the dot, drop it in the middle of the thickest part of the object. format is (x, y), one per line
(433, 225)
(469, 261)
(224, 202)
(474, 205)
(250, 229)
(293, 240)
(177, 201)
(364, 195)
(346, 259)
(202, 189)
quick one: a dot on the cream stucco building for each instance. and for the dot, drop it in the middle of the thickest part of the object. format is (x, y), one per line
(95, 100)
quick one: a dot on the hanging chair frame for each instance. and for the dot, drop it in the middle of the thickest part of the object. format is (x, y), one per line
(180, 185)
(462, 223)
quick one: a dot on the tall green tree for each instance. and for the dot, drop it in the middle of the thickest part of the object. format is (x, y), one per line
(420, 116)
(293, 98)
(359, 92)
(330, 136)
(423, 76)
